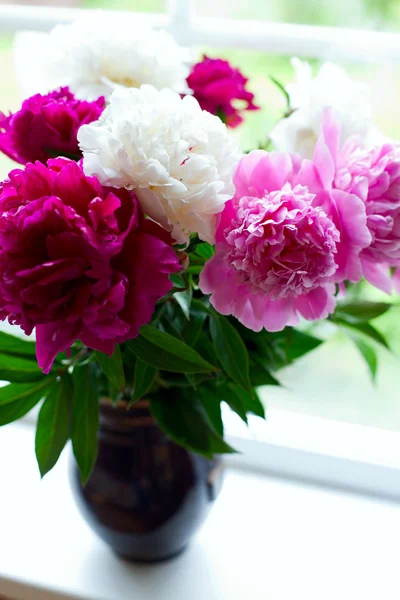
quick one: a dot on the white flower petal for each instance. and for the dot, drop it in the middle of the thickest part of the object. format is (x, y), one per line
(98, 53)
(332, 87)
(155, 141)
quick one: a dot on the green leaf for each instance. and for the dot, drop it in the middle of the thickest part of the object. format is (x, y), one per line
(220, 113)
(194, 269)
(282, 88)
(241, 401)
(193, 329)
(177, 280)
(211, 401)
(17, 399)
(361, 311)
(299, 343)
(143, 381)
(369, 355)
(229, 394)
(54, 424)
(205, 346)
(13, 345)
(112, 367)
(205, 250)
(259, 373)
(231, 351)
(184, 299)
(202, 307)
(250, 402)
(366, 329)
(19, 370)
(184, 419)
(163, 351)
(85, 419)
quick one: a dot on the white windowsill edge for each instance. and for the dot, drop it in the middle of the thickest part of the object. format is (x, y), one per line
(361, 459)
(265, 538)
(357, 458)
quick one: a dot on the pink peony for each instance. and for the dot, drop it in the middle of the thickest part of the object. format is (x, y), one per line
(344, 206)
(373, 176)
(221, 90)
(77, 260)
(275, 251)
(47, 126)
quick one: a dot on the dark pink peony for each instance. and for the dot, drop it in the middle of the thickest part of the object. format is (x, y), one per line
(77, 260)
(221, 90)
(47, 126)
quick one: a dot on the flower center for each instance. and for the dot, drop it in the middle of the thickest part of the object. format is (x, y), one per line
(281, 245)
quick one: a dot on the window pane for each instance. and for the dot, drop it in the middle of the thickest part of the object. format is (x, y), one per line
(358, 14)
(383, 79)
(133, 5)
(333, 382)
(9, 94)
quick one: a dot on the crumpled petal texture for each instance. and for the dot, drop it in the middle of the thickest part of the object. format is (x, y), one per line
(99, 52)
(47, 126)
(77, 260)
(220, 89)
(177, 158)
(276, 247)
(373, 175)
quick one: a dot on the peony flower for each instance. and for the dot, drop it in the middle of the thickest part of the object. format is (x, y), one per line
(177, 158)
(309, 96)
(46, 126)
(97, 53)
(221, 90)
(374, 176)
(275, 251)
(344, 206)
(75, 259)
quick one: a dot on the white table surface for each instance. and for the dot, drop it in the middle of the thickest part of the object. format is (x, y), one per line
(265, 539)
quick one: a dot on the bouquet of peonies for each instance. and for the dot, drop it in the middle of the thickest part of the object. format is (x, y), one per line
(153, 259)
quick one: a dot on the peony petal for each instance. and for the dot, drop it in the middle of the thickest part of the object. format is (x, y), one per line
(215, 272)
(317, 304)
(52, 339)
(277, 313)
(377, 274)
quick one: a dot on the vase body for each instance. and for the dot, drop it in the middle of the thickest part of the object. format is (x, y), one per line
(146, 496)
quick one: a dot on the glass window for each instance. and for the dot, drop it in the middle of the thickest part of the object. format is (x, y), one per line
(383, 79)
(133, 5)
(357, 14)
(9, 93)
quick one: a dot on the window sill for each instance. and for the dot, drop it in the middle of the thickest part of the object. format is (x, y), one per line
(265, 538)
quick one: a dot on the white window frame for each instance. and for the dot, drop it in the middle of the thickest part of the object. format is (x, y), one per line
(362, 459)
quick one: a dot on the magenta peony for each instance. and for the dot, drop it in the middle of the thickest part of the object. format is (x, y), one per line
(275, 252)
(221, 90)
(77, 260)
(47, 126)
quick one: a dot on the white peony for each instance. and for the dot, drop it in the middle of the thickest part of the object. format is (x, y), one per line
(308, 98)
(97, 53)
(178, 159)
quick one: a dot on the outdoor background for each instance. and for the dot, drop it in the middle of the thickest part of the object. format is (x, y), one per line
(333, 381)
